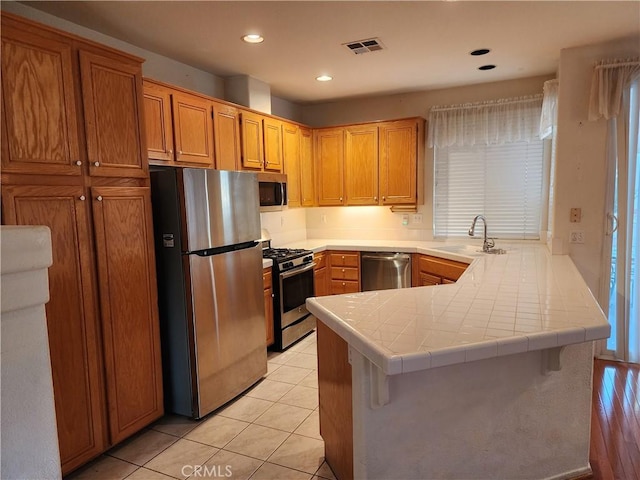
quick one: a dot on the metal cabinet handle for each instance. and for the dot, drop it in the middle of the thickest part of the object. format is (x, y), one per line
(375, 198)
(343, 270)
(343, 257)
(384, 198)
(78, 162)
(171, 150)
(97, 164)
(82, 198)
(343, 284)
(99, 198)
(340, 198)
(180, 152)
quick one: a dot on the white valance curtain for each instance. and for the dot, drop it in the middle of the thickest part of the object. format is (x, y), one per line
(549, 116)
(488, 123)
(609, 81)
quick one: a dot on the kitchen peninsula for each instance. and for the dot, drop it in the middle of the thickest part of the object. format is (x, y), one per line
(489, 377)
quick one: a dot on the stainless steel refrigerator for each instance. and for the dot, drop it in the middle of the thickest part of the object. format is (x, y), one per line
(210, 288)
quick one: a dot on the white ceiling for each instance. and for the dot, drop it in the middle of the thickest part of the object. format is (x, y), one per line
(428, 42)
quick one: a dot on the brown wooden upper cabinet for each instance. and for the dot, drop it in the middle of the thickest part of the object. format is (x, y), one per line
(252, 141)
(377, 163)
(192, 129)
(261, 142)
(158, 122)
(401, 170)
(361, 165)
(272, 144)
(226, 137)
(329, 155)
(39, 118)
(113, 112)
(307, 171)
(297, 149)
(291, 153)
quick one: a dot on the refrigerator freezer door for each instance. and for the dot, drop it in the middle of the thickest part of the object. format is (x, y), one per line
(228, 313)
(222, 208)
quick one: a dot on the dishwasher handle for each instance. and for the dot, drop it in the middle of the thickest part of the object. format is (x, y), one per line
(385, 256)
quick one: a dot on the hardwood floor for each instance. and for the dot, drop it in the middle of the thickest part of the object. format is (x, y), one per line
(615, 421)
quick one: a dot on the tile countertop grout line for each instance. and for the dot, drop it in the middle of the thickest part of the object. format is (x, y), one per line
(523, 266)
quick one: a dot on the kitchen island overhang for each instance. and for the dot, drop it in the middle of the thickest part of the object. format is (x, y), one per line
(487, 378)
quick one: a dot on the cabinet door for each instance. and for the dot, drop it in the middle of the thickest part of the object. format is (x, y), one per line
(329, 150)
(398, 162)
(226, 137)
(39, 129)
(113, 117)
(71, 315)
(268, 305)
(426, 279)
(291, 149)
(130, 330)
(193, 131)
(307, 185)
(320, 282)
(252, 146)
(361, 165)
(158, 124)
(272, 145)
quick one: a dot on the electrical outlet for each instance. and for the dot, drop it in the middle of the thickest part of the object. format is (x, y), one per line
(576, 215)
(576, 237)
(417, 218)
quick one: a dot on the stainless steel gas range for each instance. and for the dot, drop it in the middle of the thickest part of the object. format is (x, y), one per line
(293, 284)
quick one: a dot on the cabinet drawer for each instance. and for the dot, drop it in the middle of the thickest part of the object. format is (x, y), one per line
(441, 267)
(426, 279)
(344, 286)
(266, 278)
(344, 259)
(321, 260)
(345, 273)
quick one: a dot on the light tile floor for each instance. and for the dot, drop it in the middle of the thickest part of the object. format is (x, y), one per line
(270, 432)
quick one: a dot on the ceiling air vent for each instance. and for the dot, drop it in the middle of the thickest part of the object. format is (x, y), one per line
(364, 46)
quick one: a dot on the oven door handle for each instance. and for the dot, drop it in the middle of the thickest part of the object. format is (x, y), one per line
(297, 270)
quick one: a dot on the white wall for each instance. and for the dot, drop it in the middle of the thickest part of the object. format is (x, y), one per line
(286, 226)
(580, 157)
(379, 222)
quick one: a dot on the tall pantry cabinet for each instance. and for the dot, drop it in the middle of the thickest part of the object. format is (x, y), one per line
(74, 159)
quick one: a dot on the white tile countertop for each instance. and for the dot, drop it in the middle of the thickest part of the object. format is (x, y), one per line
(524, 300)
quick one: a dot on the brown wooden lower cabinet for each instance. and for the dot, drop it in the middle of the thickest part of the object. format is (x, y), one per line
(428, 270)
(105, 349)
(268, 304)
(344, 272)
(128, 296)
(320, 279)
(334, 391)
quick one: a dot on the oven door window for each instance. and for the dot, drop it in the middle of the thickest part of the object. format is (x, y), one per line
(295, 290)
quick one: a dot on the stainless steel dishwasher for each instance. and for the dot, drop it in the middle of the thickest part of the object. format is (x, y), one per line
(385, 270)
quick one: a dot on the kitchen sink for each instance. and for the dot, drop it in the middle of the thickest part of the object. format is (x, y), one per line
(470, 250)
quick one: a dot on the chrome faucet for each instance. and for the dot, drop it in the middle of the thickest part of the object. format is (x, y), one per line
(488, 243)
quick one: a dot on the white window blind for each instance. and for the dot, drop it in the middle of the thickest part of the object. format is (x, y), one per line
(502, 182)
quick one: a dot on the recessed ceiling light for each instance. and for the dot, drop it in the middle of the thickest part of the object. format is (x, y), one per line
(253, 38)
(487, 67)
(324, 78)
(480, 51)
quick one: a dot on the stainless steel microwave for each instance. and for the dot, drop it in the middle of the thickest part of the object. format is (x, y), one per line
(273, 191)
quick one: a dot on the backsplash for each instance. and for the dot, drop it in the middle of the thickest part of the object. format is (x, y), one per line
(286, 226)
(366, 223)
